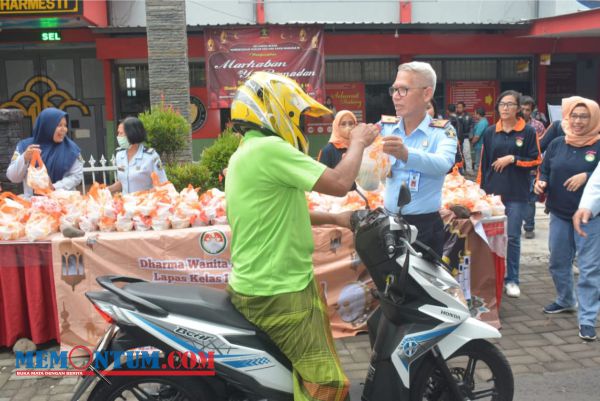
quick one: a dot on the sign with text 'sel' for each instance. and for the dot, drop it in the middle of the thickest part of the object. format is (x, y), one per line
(39, 7)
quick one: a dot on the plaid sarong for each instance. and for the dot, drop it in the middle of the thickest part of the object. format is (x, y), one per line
(298, 324)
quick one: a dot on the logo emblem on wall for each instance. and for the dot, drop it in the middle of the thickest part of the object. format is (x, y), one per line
(32, 102)
(213, 242)
(197, 113)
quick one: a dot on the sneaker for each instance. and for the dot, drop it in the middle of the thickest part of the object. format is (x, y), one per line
(556, 308)
(512, 290)
(588, 333)
(529, 234)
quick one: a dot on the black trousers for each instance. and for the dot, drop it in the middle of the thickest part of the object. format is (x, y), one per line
(431, 230)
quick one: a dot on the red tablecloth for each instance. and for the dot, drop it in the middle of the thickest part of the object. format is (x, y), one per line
(27, 296)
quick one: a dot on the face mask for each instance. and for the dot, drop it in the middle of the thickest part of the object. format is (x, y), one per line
(123, 142)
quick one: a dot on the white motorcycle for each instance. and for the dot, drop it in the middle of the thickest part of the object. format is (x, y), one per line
(426, 345)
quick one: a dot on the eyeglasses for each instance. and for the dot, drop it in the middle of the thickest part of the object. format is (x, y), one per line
(509, 105)
(348, 124)
(582, 117)
(402, 91)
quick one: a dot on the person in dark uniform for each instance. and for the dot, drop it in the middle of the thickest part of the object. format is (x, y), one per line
(568, 164)
(553, 131)
(510, 150)
(332, 153)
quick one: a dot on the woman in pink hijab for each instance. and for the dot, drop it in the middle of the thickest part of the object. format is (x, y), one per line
(568, 163)
(332, 153)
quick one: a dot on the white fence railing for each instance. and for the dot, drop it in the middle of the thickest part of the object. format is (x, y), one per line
(100, 167)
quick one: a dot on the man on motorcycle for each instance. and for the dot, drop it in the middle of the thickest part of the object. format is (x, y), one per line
(272, 282)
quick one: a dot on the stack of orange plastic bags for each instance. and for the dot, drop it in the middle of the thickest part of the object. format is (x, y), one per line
(459, 191)
(160, 208)
(456, 191)
(352, 201)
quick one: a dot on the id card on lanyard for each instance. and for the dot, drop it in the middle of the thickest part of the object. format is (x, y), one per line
(413, 180)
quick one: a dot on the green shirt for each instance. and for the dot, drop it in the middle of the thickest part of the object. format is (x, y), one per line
(272, 241)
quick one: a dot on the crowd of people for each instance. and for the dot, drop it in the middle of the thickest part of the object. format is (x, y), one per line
(520, 157)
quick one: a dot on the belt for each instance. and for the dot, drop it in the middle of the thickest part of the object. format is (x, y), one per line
(422, 218)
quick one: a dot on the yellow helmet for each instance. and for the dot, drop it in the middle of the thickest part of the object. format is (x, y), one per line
(274, 103)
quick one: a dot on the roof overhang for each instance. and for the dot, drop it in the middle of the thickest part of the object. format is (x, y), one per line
(520, 26)
(581, 24)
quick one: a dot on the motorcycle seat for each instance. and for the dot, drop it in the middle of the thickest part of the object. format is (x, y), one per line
(199, 302)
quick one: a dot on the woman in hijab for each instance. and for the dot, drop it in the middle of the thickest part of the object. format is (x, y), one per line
(61, 156)
(568, 163)
(332, 153)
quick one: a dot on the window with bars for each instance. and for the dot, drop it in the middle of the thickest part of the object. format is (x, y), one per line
(515, 69)
(471, 70)
(197, 74)
(134, 86)
(367, 71)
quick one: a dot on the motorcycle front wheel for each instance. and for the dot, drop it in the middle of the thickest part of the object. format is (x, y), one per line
(150, 389)
(480, 369)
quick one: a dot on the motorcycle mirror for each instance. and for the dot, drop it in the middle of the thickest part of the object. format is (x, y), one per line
(404, 196)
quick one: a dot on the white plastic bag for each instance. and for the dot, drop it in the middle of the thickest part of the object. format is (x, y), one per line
(375, 166)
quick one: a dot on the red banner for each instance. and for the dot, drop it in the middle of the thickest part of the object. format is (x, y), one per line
(340, 96)
(475, 94)
(233, 54)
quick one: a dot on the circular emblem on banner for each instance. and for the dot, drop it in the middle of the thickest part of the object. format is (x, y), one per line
(590, 157)
(213, 242)
(197, 113)
(519, 142)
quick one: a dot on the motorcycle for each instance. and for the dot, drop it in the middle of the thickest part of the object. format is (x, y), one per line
(426, 345)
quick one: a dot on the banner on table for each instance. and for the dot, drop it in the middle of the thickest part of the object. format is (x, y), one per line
(201, 256)
(195, 256)
(232, 54)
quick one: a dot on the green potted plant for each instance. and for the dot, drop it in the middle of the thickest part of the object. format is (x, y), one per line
(168, 131)
(216, 157)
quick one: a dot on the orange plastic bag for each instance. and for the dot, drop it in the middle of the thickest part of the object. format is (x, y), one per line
(37, 177)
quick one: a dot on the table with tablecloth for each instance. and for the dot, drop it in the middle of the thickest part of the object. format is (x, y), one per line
(27, 295)
(43, 284)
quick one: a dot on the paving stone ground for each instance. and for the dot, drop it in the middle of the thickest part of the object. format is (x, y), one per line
(533, 342)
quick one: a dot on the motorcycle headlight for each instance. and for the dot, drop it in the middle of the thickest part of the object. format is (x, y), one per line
(449, 288)
(457, 293)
